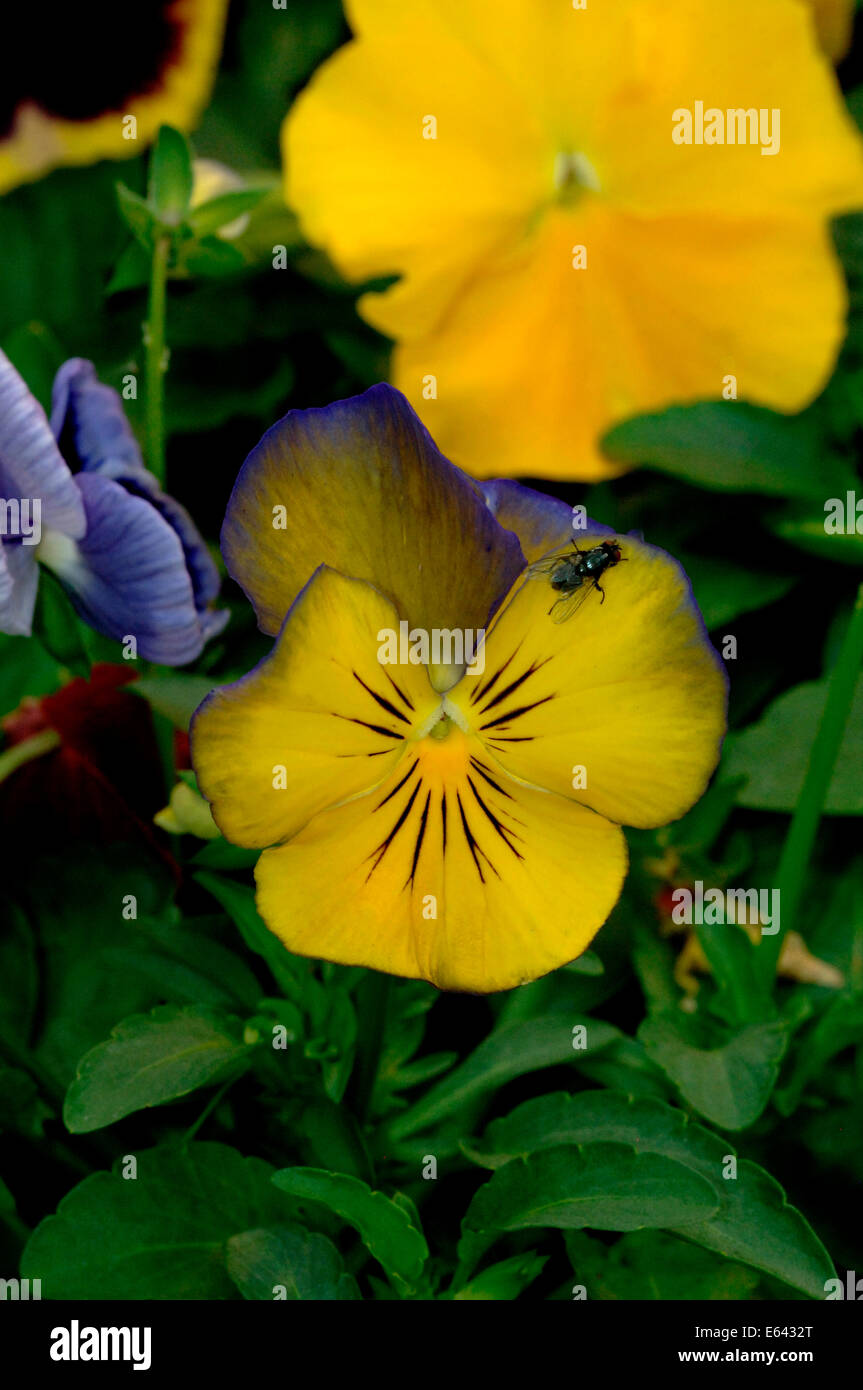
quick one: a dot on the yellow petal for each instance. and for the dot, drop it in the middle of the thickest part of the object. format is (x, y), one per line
(428, 208)
(318, 721)
(665, 311)
(627, 693)
(361, 487)
(446, 873)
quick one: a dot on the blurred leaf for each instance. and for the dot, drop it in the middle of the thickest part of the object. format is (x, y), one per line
(22, 1108)
(150, 1059)
(732, 446)
(307, 1266)
(175, 694)
(138, 216)
(724, 590)
(218, 212)
(160, 1234)
(131, 271)
(729, 1084)
(754, 1222)
(170, 183)
(608, 1186)
(211, 258)
(802, 526)
(773, 754)
(221, 854)
(386, 1228)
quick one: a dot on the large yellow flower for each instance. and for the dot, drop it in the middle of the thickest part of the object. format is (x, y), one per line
(95, 81)
(472, 147)
(458, 825)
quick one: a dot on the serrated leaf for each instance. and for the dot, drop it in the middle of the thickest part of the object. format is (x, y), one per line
(729, 1084)
(386, 1229)
(605, 1185)
(304, 1264)
(152, 1058)
(159, 1234)
(754, 1223)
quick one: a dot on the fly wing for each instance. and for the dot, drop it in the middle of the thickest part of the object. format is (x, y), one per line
(568, 604)
(541, 569)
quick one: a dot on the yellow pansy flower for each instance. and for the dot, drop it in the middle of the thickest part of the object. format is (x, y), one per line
(515, 165)
(104, 80)
(450, 812)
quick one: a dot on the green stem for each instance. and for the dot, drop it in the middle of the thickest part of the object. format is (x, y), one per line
(208, 1110)
(154, 341)
(799, 842)
(20, 753)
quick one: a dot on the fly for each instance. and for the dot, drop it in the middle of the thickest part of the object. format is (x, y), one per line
(574, 574)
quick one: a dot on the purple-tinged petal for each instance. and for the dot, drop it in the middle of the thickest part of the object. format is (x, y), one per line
(30, 462)
(19, 580)
(542, 523)
(360, 486)
(128, 576)
(89, 422)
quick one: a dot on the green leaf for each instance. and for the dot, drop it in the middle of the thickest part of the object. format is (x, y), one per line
(607, 1186)
(772, 755)
(754, 1222)
(289, 1263)
(175, 695)
(138, 216)
(218, 212)
(840, 1026)
(724, 591)
(132, 270)
(729, 1084)
(213, 257)
(503, 1281)
(730, 446)
(803, 525)
(508, 1052)
(55, 623)
(731, 955)
(645, 1265)
(387, 1230)
(150, 1059)
(288, 971)
(170, 187)
(159, 1234)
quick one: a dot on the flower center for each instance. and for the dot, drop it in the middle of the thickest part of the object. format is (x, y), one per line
(574, 175)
